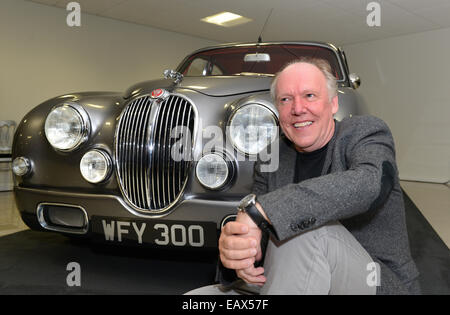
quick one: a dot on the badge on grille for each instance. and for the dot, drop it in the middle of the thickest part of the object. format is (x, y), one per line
(160, 93)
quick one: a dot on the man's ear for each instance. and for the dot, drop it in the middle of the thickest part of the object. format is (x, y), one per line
(334, 104)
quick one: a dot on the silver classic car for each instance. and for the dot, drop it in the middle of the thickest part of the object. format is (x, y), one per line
(165, 163)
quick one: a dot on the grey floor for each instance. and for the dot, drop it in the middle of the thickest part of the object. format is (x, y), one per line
(433, 200)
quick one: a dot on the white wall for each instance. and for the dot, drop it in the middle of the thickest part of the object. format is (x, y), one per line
(406, 82)
(41, 57)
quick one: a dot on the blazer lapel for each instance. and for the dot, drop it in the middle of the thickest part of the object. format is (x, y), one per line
(286, 168)
(331, 145)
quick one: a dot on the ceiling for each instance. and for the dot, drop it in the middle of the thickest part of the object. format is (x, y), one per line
(341, 22)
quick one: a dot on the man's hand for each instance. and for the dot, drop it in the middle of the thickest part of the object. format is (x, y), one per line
(239, 247)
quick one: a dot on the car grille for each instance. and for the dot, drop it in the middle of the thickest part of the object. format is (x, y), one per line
(150, 178)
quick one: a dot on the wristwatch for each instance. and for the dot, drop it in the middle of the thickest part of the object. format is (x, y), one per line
(248, 206)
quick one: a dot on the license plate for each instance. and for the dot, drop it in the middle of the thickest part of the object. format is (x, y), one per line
(155, 232)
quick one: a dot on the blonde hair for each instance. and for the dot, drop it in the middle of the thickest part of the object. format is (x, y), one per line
(321, 64)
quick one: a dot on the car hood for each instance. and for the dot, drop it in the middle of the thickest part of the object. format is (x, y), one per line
(212, 86)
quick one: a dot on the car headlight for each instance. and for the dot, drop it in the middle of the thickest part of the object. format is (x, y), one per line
(21, 166)
(95, 166)
(67, 126)
(252, 128)
(212, 171)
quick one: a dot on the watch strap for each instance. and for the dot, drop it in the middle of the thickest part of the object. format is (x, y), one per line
(258, 218)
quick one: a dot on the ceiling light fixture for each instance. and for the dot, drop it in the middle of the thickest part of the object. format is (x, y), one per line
(226, 19)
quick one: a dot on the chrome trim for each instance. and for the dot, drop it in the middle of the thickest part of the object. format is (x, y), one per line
(189, 200)
(85, 125)
(174, 75)
(45, 225)
(226, 218)
(152, 195)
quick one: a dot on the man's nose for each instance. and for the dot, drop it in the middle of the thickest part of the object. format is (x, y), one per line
(298, 107)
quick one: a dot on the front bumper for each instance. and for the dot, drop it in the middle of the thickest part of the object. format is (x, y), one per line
(113, 207)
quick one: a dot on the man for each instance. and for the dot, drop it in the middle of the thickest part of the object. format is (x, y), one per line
(333, 209)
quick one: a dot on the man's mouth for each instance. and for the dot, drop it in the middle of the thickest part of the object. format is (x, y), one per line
(303, 124)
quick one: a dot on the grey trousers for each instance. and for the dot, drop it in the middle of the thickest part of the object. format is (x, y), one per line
(327, 260)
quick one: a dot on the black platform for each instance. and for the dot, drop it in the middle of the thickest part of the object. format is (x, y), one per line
(430, 253)
(35, 263)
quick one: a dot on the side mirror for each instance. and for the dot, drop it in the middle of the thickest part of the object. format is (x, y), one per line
(354, 80)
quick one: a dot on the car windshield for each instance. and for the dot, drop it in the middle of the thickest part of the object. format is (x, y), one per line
(254, 60)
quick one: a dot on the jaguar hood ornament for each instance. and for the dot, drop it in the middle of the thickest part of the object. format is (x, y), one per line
(174, 75)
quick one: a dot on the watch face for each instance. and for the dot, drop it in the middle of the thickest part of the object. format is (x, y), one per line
(247, 200)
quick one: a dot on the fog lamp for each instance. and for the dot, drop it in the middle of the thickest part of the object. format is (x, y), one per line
(95, 166)
(212, 171)
(21, 166)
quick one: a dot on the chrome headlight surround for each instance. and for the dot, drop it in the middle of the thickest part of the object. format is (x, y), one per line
(66, 121)
(95, 158)
(252, 128)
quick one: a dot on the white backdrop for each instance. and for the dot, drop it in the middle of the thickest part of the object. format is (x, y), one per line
(406, 82)
(41, 57)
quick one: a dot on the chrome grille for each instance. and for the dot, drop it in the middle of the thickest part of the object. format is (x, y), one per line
(151, 179)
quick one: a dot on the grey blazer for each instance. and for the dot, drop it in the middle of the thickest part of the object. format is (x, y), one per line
(359, 187)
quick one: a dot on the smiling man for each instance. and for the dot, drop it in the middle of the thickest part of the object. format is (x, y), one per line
(333, 210)
(306, 106)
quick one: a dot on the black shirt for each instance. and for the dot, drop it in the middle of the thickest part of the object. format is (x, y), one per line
(309, 164)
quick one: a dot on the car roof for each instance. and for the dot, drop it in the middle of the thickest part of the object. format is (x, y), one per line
(245, 44)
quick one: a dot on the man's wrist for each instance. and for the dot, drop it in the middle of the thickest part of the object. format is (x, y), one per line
(261, 210)
(254, 210)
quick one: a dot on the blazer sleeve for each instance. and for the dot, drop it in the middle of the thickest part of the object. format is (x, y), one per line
(365, 149)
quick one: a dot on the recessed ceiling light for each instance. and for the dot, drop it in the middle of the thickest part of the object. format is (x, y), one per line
(226, 19)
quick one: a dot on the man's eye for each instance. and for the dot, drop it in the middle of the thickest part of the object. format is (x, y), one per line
(310, 95)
